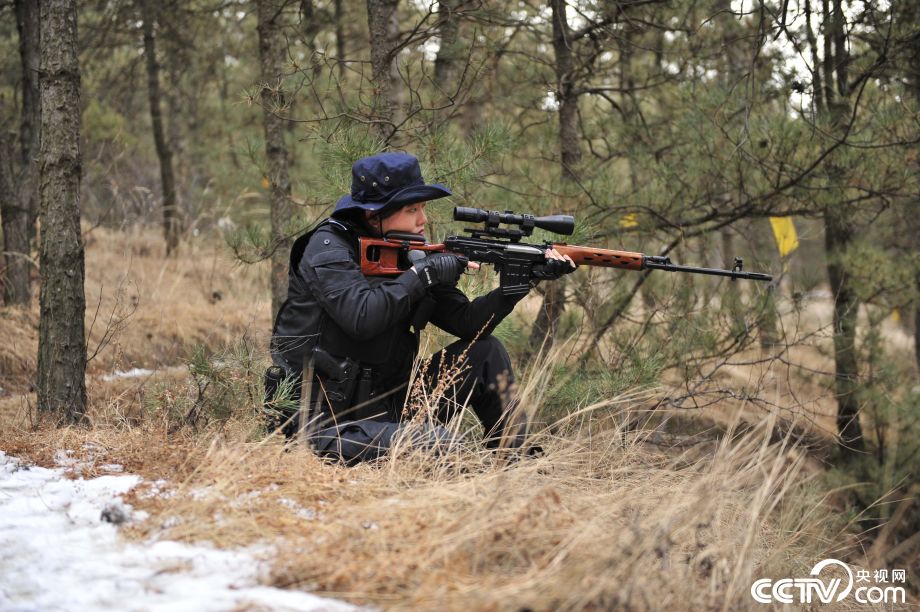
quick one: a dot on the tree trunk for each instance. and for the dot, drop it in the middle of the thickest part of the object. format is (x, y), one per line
(732, 293)
(14, 214)
(817, 90)
(570, 155)
(171, 222)
(175, 57)
(544, 328)
(917, 321)
(310, 27)
(273, 54)
(339, 16)
(768, 326)
(910, 14)
(224, 97)
(61, 382)
(19, 173)
(630, 107)
(570, 147)
(838, 235)
(383, 26)
(445, 64)
(308, 23)
(30, 127)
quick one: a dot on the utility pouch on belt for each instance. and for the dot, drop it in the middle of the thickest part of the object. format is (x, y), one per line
(339, 376)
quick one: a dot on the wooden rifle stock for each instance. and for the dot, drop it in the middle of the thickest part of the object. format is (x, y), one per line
(388, 256)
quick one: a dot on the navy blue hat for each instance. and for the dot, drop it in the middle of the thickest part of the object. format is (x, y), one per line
(385, 182)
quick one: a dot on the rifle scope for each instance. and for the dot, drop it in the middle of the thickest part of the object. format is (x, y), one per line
(558, 224)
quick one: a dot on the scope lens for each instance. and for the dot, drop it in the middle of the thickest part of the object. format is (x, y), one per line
(558, 224)
(470, 215)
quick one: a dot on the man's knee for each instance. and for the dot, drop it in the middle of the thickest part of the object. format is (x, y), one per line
(357, 441)
(485, 349)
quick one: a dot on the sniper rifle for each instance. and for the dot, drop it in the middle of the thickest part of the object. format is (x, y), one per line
(515, 261)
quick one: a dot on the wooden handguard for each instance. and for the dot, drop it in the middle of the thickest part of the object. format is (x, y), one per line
(605, 258)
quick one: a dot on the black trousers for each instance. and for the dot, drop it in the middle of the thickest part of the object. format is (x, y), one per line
(477, 374)
(482, 376)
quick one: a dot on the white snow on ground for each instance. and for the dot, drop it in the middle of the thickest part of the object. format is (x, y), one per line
(56, 553)
(132, 373)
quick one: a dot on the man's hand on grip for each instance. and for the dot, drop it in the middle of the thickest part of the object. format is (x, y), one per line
(440, 269)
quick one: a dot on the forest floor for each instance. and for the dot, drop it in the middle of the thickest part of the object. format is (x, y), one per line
(618, 511)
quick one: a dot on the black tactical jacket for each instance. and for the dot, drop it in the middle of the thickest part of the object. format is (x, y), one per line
(331, 304)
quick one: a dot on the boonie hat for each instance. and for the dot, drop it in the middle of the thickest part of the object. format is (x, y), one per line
(387, 181)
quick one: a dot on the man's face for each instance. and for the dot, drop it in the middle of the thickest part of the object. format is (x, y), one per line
(410, 218)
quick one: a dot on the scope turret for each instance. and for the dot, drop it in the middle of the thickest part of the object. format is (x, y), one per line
(558, 224)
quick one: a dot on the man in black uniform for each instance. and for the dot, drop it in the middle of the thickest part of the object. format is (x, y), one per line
(359, 335)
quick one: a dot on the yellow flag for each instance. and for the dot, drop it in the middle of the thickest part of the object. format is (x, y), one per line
(629, 220)
(896, 316)
(265, 183)
(784, 231)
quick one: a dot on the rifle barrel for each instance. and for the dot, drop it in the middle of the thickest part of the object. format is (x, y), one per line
(733, 274)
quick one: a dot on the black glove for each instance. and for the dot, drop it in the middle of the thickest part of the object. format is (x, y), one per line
(552, 269)
(440, 269)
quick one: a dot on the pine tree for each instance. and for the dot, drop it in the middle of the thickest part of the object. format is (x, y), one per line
(273, 55)
(172, 225)
(61, 383)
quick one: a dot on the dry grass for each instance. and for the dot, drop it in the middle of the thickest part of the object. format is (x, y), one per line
(145, 311)
(609, 517)
(598, 522)
(603, 520)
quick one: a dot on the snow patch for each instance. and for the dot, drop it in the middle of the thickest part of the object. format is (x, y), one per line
(308, 514)
(132, 373)
(60, 550)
